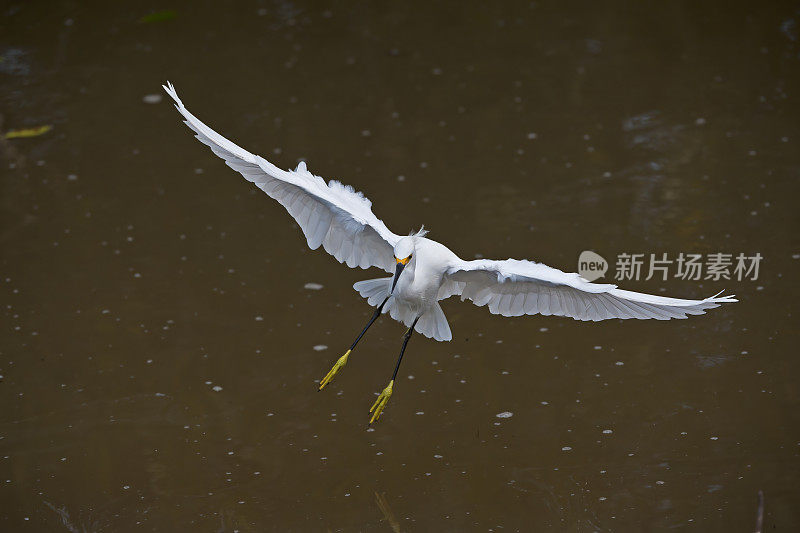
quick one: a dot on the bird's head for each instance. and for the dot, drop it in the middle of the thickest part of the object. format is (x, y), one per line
(403, 252)
(404, 249)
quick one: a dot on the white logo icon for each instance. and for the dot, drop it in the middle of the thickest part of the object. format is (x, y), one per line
(591, 266)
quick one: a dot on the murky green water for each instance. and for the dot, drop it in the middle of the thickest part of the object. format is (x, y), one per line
(157, 347)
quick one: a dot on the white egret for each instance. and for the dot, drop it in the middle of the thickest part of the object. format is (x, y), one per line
(423, 271)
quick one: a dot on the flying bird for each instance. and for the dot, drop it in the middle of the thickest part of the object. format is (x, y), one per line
(423, 271)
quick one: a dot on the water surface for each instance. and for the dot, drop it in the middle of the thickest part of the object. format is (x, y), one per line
(157, 347)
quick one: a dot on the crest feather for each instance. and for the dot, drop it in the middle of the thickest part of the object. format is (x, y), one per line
(421, 233)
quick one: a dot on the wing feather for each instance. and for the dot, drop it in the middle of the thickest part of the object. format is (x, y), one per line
(513, 287)
(330, 215)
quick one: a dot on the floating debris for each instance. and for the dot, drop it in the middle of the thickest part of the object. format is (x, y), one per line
(159, 16)
(28, 132)
(504, 414)
(320, 347)
(313, 286)
(152, 98)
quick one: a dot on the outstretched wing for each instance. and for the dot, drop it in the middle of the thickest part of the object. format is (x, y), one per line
(514, 288)
(330, 214)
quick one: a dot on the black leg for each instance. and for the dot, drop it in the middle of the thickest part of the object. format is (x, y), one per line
(406, 337)
(343, 359)
(378, 311)
(383, 397)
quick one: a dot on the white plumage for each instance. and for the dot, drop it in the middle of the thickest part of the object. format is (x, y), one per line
(330, 214)
(340, 220)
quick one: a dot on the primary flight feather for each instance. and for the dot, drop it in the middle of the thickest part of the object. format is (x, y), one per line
(341, 220)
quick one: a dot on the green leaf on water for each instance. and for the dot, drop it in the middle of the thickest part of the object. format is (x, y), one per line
(159, 16)
(28, 132)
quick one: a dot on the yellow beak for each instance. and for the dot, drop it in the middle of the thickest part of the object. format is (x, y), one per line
(403, 261)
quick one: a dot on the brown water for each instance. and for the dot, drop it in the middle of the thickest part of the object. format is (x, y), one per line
(138, 272)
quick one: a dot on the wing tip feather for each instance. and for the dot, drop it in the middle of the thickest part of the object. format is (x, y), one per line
(717, 299)
(170, 90)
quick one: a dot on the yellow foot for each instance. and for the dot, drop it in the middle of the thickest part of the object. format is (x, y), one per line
(329, 376)
(380, 403)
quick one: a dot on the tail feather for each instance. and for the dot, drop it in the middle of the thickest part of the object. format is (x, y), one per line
(432, 324)
(374, 290)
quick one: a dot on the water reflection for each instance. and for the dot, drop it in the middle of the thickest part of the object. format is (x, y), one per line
(386, 511)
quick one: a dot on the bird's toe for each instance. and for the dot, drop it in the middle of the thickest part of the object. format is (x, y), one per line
(379, 405)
